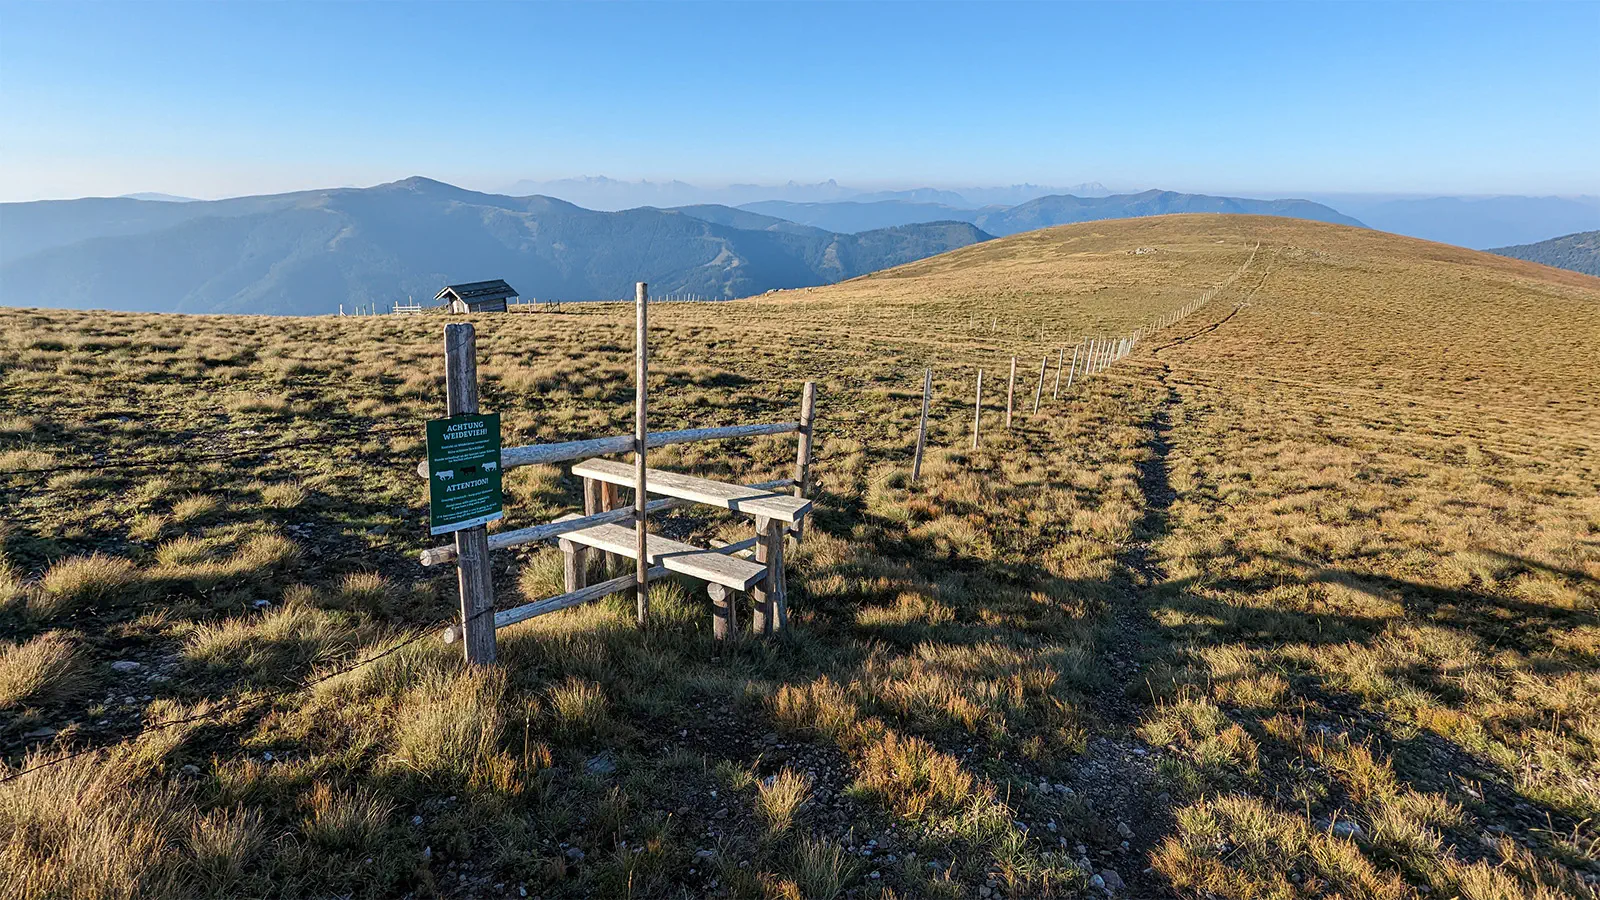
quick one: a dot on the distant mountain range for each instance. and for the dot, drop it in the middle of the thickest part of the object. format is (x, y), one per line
(1479, 222)
(1041, 212)
(1579, 252)
(854, 215)
(599, 192)
(1476, 222)
(308, 252)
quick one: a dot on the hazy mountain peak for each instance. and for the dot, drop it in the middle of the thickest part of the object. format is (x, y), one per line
(158, 197)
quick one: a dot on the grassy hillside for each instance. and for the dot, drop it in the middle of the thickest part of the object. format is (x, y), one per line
(1300, 600)
(1579, 252)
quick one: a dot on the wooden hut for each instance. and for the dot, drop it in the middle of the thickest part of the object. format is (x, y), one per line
(478, 296)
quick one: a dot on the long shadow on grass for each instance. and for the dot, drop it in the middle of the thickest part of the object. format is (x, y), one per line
(1423, 759)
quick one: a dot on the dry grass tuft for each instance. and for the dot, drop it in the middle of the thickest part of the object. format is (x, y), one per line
(822, 870)
(346, 820)
(283, 495)
(82, 582)
(780, 798)
(914, 777)
(450, 723)
(47, 669)
(224, 842)
(579, 709)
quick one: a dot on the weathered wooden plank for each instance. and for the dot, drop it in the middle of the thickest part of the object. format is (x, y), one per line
(566, 451)
(676, 556)
(507, 539)
(528, 611)
(735, 497)
(473, 575)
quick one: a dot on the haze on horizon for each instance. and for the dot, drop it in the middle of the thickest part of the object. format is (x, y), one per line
(225, 100)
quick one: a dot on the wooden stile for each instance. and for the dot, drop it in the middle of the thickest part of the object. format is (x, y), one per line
(505, 540)
(473, 574)
(922, 426)
(641, 433)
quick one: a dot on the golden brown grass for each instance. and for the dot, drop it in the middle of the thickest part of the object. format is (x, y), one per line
(48, 668)
(1349, 526)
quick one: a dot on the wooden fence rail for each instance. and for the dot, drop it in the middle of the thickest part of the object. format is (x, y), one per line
(567, 451)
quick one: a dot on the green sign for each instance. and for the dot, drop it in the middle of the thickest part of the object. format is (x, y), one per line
(463, 472)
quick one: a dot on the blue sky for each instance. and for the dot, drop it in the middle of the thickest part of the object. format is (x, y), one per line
(222, 99)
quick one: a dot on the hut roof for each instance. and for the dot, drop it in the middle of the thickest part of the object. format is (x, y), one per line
(476, 292)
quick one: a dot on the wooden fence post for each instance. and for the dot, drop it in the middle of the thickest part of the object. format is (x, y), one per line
(922, 427)
(724, 612)
(771, 607)
(802, 460)
(977, 413)
(473, 574)
(594, 502)
(1074, 367)
(1055, 392)
(1011, 387)
(1038, 392)
(641, 436)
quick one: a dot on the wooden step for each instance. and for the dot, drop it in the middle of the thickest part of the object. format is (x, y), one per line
(736, 497)
(674, 556)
